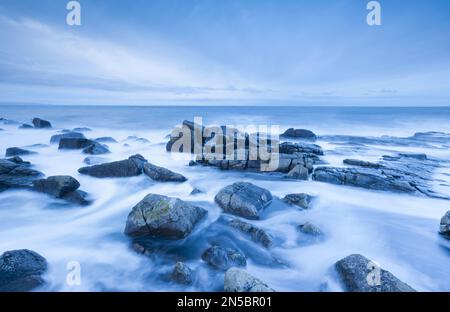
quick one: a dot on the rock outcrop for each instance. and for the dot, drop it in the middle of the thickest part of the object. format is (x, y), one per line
(302, 200)
(299, 134)
(41, 123)
(223, 258)
(256, 234)
(16, 151)
(238, 280)
(15, 173)
(55, 139)
(133, 166)
(161, 174)
(182, 274)
(62, 187)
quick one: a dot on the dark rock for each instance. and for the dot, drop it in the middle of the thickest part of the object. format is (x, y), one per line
(96, 149)
(415, 156)
(243, 199)
(56, 186)
(445, 225)
(258, 235)
(18, 160)
(137, 139)
(82, 129)
(291, 148)
(106, 140)
(26, 126)
(196, 191)
(362, 163)
(15, 173)
(301, 200)
(41, 123)
(74, 143)
(355, 272)
(310, 229)
(16, 151)
(193, 163)
(130, 167)
(77, 197)
(237, 280)
(21, 271)
(298, 173)
(68, 135)
(182, 274)
(92, 160)
(161, 174)
(223, 258)
(299, 134)
(164, 217)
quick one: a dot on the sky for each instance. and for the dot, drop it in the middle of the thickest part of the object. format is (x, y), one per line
(291, 52)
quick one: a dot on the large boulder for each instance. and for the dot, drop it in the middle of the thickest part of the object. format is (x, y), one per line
(163, 217)
(16, 151)
(301, 200)
(359, 274)
(299, 134)
(41, 123)
(445, 225)
(130, 167)
(182, 274)
(243, 199)
(162, 174)
(258, 235)
(238, 280)
(74, 143)
(62, 187)
(291, 148)
(55, 139)
(21, 271)
(15, 173)
(223, 258)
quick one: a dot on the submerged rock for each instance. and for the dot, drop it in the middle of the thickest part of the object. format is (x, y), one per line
(301, 200)
(162, 174)
(243, 199)
(55, 139)
(62, 187)
(21, 271)
(237, 280)
(16, 151)
(92, 160)
(96, 149)
(362, 163)
(223, 258)
(41, 123)
(26, 126)
(298, 173)
(74, 143)
(164, 217)
(137, 139)
(196, 191)
(258, 235)
(82, 129)
(310, 229)
(182, 274)
(15, 173)
(299, 134)
(445, 225)
(358, 274)
(130, 167)
(106, 140)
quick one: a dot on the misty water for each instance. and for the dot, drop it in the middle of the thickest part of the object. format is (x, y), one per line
(398, 231)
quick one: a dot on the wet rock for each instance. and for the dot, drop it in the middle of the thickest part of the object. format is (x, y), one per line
(196, 191)
(74, 143)
(310, 229)
(55, 139)
(193, 163)
(445, 225)
(18, 160)
(223, 258)
(243, 199)
(137, 139)
(82, 129)
(258, 235)
(237, 280)
(415, 156)
(17, 174)
(26, 126)
(365, 178)
(41, 123)
(298, 173)
(291, 148)
(182, 274)
(362, 163)
(96, 149)
(355, 272)
(301, 200)
(164, 217)
(161, 174)
(299, 134)
(92, 160)
(130, 167)
(21, 271)
(77, 197)
(62, 187)
(106, 140)
(16, 151)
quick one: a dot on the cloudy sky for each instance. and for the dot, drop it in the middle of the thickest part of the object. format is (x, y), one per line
(296, 52)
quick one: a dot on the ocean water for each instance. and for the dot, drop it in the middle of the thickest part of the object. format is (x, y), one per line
(397, 231)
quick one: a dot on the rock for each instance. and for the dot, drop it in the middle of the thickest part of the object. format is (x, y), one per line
(106, 140)
(16, 151)
(258, 235)
(137, 139)
(18, 160)
(445, 225)
(78, 198)
(300, 200)
(243, 199)
(161, 174)
(41, 123)
(310, 229)
(130, 167)
(362, 163)
(299, 134)
(415, 156)
(56, 186)
(26, 126)
(68, 135)
(182, 274)
(96, 149)
(74, 143)
(237, 280)
(298, 173)
(196, 191)
(163, 217)
(82, 129)
(21, 271)
(17, 174)
(291, 148)
(365, 178)
(92, 160)
(193, 163)
(355, 272)
(223, 258)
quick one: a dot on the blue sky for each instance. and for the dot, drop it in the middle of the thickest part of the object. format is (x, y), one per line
(296, 52)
